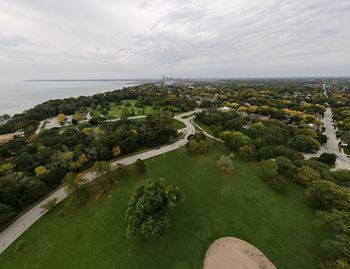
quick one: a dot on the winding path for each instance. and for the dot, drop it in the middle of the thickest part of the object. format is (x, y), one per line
(20, 225)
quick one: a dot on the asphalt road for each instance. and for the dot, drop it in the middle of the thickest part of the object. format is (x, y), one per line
(19, 226)
(343, 162)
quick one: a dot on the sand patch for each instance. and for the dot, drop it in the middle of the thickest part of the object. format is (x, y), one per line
(8, 137)
(233, 253)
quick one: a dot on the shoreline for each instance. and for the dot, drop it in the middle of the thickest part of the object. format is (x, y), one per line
(19, 96)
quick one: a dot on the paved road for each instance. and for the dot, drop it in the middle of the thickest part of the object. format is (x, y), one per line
(343, 162)
(13, 231)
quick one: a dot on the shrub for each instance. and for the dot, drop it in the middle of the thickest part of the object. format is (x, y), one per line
(49, 204)
(337, 264)
(305, 175)
(269, 172)
(140, 165)
(305, 143)
(326, 195)
(328, 158)
(314, 164)
(285, 166)
(341, 177)
(247, 152)
(225, 165)
(6, 213)
(197, 147)
(337, 224)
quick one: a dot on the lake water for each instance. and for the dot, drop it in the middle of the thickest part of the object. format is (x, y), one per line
(17, 96)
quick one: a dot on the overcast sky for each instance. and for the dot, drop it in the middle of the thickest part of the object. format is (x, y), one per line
(50, 39)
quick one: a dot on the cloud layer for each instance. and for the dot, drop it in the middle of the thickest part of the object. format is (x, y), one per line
(187, 38)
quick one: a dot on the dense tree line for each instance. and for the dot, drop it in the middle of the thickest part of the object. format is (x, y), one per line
(31, 167)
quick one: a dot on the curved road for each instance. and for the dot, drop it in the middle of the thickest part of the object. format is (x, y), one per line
(19, 226)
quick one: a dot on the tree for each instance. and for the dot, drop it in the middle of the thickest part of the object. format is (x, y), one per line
(148, 210)
(285, 166)
(6, 168)
(225, 165)
(269, 172)
(341, 177)
(328, 158)
(125, 114)
(40, 170)
(6, 213)
(202, 147)
(78, 116)
(234, 140)
(61, 118)
(197, 147)
(337, 223)
(305, 175)
(305, 143)
(34, 190)
(192, 146)
(141, 167)
(247, 152)
(326, 195)
(102, 167)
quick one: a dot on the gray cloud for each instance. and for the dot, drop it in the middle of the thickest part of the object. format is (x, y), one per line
(12, 40)
(192, 38)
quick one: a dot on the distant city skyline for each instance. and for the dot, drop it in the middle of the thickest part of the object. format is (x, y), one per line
(141, 39)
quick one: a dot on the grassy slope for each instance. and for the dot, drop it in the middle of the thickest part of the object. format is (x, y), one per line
(178, 124)
(204, 127)
(214, 206)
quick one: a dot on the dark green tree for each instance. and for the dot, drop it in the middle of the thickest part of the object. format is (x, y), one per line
(148, 211)
(141, 166)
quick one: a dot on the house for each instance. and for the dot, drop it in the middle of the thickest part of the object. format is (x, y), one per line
(224, 109)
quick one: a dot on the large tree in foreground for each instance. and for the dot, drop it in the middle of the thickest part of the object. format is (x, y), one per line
(148, 211)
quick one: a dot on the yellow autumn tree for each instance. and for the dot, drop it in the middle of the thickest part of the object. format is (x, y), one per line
(116, 151)
(78, 116)
(61, 118)
(40, 170)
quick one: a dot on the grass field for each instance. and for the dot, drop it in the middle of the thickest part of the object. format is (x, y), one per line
(243, 206)
(115, 110)
(204, 127)
(178, 124)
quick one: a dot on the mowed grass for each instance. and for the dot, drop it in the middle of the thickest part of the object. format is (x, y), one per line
(178, 124)
(204, 127)
(115, 110)
(243, 206)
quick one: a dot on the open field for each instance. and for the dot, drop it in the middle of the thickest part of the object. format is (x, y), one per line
(115, 110)
(242, 206)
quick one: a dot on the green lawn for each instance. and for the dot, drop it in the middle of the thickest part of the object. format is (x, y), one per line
(115, 110)
(178, 124)
(204, 127)
(243, 206)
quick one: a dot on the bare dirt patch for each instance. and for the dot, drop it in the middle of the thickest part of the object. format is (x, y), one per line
(233, 253)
